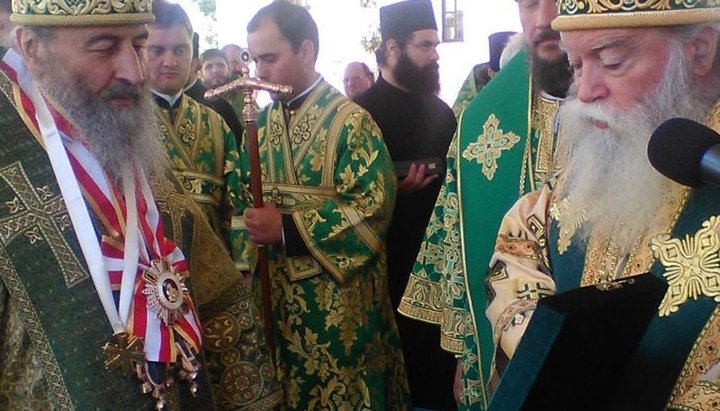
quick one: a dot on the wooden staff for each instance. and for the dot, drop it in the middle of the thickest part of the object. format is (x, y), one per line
(250, 113)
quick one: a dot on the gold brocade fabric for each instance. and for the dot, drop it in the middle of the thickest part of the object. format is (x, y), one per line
(326, 167)
(551, 151)
(681, 246)
(204, 156)
(52, 325)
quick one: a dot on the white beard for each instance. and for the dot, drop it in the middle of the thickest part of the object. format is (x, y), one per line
(608, 172)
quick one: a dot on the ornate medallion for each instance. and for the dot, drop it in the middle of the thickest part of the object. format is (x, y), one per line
(165, 290)
(123, 353)
(489, 146)
(692, 265)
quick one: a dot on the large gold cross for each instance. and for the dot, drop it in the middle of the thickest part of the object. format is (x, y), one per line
(490, 145)
(123, 353)
(692, 265)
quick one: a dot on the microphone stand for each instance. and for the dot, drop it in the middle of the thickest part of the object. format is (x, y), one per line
(250, 113)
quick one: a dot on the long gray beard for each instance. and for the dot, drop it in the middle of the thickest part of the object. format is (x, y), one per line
(121, 139)
(608, 172)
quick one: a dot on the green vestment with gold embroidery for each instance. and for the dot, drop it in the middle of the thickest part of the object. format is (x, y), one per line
(676, 363)
(327, 167)
(503, 148)
(678, 349)
(52, 324)
(469, 89)
(204, 156)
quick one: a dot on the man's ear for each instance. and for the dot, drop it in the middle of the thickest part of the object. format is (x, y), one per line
(308, 54)
(702, 51)
(28, 44)
(392, 52)
(393, 47)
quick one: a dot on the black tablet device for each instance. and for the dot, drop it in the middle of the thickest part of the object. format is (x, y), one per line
(432, 166)
(577, 344)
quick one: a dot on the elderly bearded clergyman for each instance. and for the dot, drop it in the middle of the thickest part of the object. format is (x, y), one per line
(611, 215)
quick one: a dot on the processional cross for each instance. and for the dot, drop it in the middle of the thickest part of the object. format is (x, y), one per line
(250, 113)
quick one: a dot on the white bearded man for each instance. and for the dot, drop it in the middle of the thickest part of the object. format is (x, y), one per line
(114, 291)
(609, 214)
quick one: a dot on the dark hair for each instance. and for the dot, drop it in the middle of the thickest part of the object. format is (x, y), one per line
(170, 14)
(293, 21)
(195, 45)
(210, 53)
(381, 54)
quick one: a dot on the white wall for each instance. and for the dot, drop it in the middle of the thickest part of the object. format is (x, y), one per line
(342, 23)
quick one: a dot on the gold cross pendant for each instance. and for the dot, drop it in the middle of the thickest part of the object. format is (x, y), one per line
(123, 353)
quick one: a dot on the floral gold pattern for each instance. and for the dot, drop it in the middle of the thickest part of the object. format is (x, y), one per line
(238, 383)
(81, 12)
(568, 221)
(488, 149)
(337, 345)
(692, 266)
(220, 333)
(203, 156)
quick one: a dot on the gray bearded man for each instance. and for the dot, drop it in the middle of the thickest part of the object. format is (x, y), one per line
(114, 291)
(610, 215)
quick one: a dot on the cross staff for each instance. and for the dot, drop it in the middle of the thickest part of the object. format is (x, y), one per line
(250, 113)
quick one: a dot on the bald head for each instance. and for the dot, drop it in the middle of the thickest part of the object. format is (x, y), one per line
(358, 78)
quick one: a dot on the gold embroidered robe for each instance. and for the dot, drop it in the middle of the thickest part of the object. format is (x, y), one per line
(204, 156)
(336, 337)
(52, 325)
(677, 364)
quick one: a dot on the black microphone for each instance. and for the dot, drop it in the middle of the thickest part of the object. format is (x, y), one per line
(686, 152)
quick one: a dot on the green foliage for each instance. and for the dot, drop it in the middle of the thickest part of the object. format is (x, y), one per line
(371, 40)
(207, 7)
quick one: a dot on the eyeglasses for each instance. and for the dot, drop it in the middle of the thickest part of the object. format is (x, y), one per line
(425, 46)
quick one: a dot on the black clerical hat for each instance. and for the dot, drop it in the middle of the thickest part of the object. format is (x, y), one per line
(497, 44)
(399, 20)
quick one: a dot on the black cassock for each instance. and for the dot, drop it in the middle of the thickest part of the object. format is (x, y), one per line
(415, 127)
